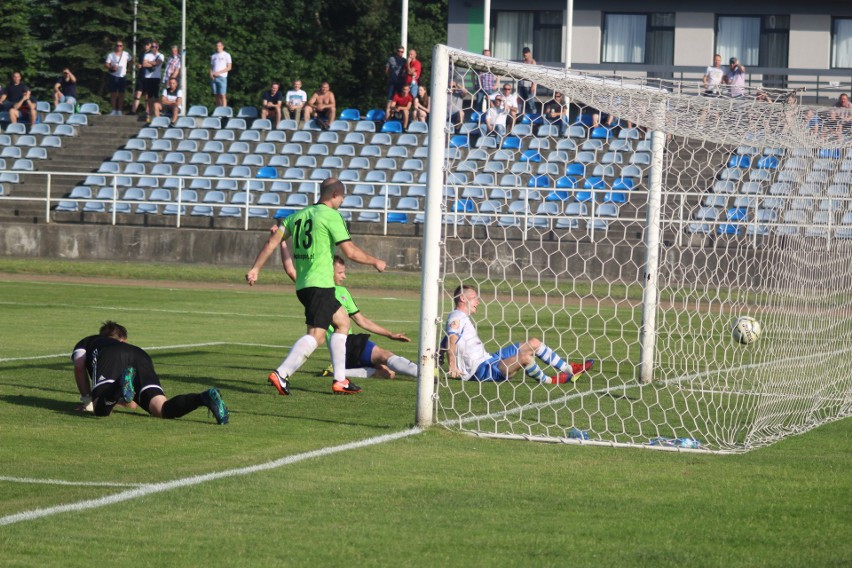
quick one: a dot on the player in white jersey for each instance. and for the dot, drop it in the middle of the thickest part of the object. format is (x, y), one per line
(469, 360)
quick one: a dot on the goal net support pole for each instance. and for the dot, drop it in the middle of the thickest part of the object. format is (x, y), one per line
(431, 253)
(650, 294)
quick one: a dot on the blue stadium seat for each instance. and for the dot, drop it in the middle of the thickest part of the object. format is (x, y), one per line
(539, 181)
(594, 183)
(511, 143)
(459, 141)
(768, 163)
(375, 115)
(566, 182)
(531, 156)
(623, 183)
(557, 195)
(575, 169)
(392, 126)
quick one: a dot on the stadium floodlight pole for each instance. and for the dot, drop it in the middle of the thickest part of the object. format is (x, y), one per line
(650, 275)
(135, 12)
(183, 85)
(431, 252)
(569, 32)
(486, 25)
(403, 41)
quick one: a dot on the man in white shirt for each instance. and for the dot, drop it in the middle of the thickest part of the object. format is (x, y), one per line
(170, 101)
(152, 66)
(469, 361)
(511, 104)
(495, 118)
(220, 64)
(294, 102)
(713, 77)
(735, 78)
(116, 64)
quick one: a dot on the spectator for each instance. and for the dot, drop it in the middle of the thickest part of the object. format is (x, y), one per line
(220, 64)
(273, 100)
(172, 68)
(116, 64)
(526, 88)
(556, 111)
(322, 105)
(170, 101)
(395, 71)
(422, 105)
(455, 102)
(296, 99)
(486, 84)
(713, 77)
(400, 106)
(17, 99)
(152, 65)
(413, 71)
(65, 89)
(841, 114)
(511, 104)
(735, 78)
(139, 88)
(495, 118)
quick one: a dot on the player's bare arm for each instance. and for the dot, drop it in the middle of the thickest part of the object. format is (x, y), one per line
(451, 356)
(355, 254)
(264, 254)
(366, 323)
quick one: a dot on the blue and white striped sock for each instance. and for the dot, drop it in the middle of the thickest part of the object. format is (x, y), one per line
(534, 371)
(550, 357)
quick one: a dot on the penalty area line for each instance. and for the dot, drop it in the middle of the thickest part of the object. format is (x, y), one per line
(151, 489)
(65, 482)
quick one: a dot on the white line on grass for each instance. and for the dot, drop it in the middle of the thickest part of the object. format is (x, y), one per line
(64, 482)
(199, 479)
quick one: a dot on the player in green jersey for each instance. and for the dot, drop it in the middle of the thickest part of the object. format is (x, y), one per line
(314, 233)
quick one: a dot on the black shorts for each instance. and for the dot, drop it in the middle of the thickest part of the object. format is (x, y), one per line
(112, 363)
(320, 305)
(355, 344)
(152, 87)
(116, 84)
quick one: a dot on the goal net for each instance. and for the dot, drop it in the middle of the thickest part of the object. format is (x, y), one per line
(631, 221)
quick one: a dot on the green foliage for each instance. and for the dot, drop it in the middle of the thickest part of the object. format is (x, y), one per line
(343, 41)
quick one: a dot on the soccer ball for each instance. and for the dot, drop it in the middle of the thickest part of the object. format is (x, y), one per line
(746, 330)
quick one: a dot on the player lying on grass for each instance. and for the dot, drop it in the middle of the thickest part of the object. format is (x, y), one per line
(468, 359)
(109, 371)
(363, 357)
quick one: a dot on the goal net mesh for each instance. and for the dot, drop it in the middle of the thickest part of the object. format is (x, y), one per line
(548, 217)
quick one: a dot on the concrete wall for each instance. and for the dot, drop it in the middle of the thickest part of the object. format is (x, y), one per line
(694, 38)
(161, 244)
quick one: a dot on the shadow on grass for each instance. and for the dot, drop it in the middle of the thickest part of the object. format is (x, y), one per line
(58, 406)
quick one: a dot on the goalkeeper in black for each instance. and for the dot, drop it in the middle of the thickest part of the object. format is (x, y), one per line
(110, 371)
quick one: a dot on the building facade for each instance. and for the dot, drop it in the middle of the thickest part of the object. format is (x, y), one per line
(813, 40)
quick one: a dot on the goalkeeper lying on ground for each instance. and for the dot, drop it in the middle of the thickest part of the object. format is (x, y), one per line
(468, 359)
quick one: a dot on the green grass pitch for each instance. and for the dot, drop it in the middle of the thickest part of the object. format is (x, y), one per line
(436, 498)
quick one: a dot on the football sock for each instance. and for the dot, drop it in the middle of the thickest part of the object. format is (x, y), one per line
(534, 371)
(550, 357)
(402, 365)
(180, 405)
(360, 373)
(299, 353)
(337, 347)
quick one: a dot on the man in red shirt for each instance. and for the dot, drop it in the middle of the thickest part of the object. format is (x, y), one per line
(400, 106)
(413, 70)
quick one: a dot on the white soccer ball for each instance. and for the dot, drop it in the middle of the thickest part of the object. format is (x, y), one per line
(746, 330)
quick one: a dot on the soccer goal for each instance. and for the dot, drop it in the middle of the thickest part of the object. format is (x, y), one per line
(631, 221)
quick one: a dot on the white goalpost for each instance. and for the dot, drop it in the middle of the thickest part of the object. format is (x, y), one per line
(633, 229)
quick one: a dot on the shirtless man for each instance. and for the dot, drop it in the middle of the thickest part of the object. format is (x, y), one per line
(322, 106)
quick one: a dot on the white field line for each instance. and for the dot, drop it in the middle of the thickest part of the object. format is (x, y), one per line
(297, 316)
(625, 386)
(64, 482)
(151, 489)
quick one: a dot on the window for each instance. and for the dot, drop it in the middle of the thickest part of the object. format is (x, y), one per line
(638, 38)
(762, 41)
(841, 43)
(738, 37)
(540, 31)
